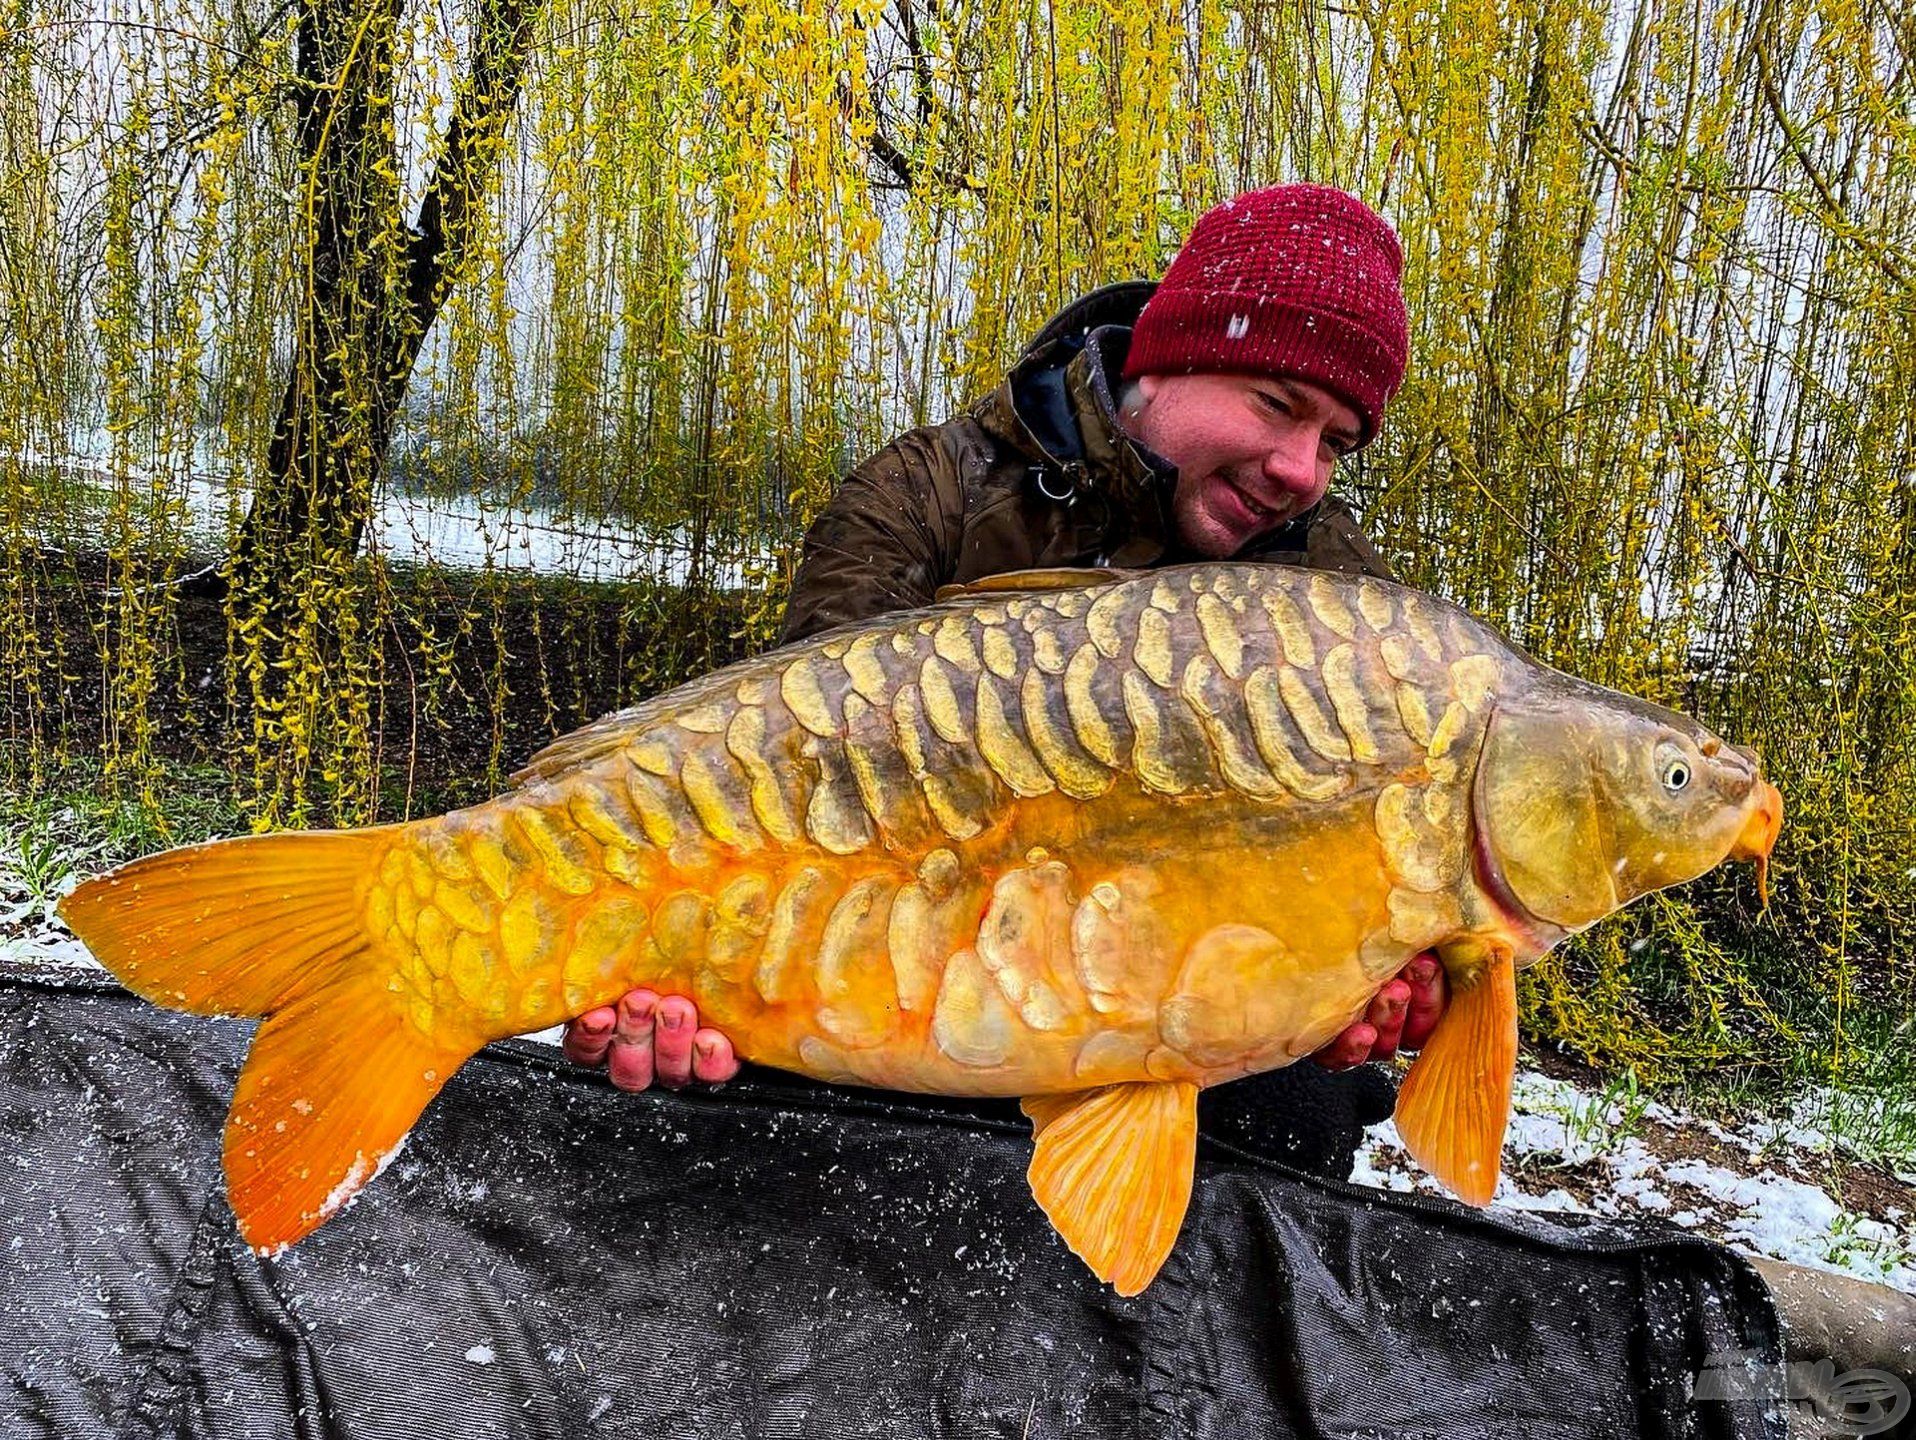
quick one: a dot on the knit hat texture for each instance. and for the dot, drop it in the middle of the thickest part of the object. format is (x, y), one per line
(1296, 280)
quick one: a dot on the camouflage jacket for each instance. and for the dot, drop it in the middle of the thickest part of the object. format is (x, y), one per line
(1038, 473)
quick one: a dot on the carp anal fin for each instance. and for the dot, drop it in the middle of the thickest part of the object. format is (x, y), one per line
(1112, 1170)
(1454, 1105)
(1059, 577)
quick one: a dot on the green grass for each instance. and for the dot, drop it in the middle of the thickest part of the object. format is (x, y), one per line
(43, 854)
(74, 822)
(1864, 1107)
(1610, 1117)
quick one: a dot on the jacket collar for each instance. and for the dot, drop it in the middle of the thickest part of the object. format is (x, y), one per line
(1058, 407)
(1134, 479)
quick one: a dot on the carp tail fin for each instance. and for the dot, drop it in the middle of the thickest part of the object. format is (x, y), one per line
(275, 926)
(1112, 1170)
(1454, 1105)
(234, 927)
(330, 1088)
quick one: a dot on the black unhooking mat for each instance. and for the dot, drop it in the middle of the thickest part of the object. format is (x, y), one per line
(550, 1257)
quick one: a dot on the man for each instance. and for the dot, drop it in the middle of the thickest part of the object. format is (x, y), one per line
(1199, 418)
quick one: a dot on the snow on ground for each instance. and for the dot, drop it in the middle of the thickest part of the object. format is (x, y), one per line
(458, 532)
(59, 949)
(1769, 1186)
(34, 873)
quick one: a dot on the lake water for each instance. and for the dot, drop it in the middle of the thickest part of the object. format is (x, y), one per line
(458, 532)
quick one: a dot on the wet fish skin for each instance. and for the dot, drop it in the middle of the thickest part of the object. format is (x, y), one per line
(1094, 846)
(933, 854)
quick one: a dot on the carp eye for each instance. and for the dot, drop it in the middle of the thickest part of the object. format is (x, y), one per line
(1675, 762)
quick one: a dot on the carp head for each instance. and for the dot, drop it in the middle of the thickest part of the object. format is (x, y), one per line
(1583, 800)
(1587, 799)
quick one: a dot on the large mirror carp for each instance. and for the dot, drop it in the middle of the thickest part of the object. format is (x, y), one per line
(1092, 841)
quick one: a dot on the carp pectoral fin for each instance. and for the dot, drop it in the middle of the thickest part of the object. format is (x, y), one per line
(1056, 578)
(1455, 1103)
(1112, 1169)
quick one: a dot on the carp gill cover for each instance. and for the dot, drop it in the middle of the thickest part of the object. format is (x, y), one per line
(1092, 841)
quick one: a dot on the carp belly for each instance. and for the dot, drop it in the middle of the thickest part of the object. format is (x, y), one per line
(1009, 970)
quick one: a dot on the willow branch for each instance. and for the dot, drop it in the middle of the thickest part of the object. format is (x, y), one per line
(1838, 214)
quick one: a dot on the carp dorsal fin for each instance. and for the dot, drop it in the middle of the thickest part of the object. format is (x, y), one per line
(1454, 1105)
(1112, 1169)
(1058, 578)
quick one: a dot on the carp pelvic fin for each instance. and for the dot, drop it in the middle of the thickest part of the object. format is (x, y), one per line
(271, 925)
(1112, 1170)
(1454, 1105)
(1058, 578)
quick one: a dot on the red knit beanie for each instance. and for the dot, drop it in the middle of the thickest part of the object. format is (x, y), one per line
(1299, 280)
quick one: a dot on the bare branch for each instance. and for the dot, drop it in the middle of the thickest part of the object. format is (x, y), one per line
(1837, 212)
(897, 161)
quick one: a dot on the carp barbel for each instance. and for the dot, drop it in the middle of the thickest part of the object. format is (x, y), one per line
(1089, 840)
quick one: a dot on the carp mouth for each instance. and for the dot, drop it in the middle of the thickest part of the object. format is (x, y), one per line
(1757, 838)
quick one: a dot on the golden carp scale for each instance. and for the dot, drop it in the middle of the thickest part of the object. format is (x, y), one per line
(943, 858)
(1095, 844)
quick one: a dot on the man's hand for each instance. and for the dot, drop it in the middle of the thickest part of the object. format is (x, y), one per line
(1401, 1017)
(645, 1038)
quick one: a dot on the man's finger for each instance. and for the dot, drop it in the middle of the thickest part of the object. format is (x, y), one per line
(1387, 1015)
(629, 1061)
(589, 1036)
(1429, 993)
(1350, 1048)
(1394, 996)
(678, 1021)
(713, 1060)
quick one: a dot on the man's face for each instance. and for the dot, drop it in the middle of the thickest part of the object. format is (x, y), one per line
(1252, 451)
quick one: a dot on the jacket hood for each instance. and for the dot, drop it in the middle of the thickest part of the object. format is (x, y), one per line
(1117, 304)
(1032, 408)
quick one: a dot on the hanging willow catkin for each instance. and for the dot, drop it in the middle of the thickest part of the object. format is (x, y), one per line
(1658, 421)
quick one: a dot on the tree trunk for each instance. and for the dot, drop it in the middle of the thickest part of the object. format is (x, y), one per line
(372, 286)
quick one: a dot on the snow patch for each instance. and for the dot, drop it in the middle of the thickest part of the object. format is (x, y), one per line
(459, 533)
(1556, 1125)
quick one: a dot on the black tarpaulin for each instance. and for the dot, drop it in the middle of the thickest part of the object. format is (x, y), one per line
(551, 1257)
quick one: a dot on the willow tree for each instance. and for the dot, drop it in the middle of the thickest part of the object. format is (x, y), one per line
(1657, 421)
(370, 289)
